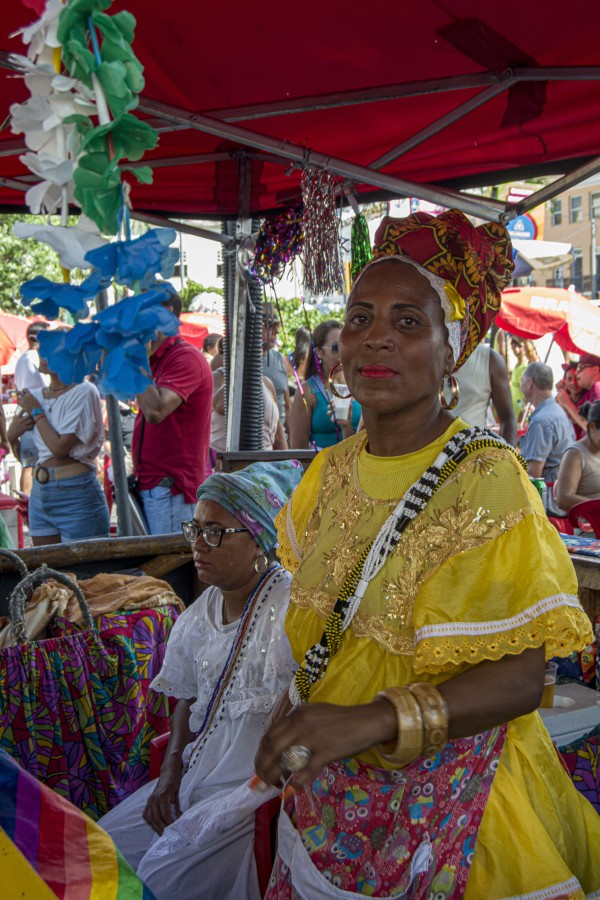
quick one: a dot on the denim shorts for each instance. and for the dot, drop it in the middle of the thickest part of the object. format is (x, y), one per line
(165, 511)
(74, 508)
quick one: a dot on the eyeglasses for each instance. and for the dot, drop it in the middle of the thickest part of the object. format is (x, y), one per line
(211, 535)
(582, 366)
(333, 347)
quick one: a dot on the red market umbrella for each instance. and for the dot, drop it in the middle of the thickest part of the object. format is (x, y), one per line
(13, 336)
(532, 312)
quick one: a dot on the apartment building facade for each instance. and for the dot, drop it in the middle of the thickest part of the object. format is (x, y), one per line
(574, 217)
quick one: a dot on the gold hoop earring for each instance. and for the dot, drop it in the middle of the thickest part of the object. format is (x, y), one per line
(330, 381)
(261, 564)
(452, 383)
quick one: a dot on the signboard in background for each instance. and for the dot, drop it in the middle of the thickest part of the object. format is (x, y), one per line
(520, 191)
(523, 228)
(404, 206)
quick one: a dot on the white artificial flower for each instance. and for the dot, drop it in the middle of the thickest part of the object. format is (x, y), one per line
(49, 168)
(71, 243)
(44, 197)
(42, 33)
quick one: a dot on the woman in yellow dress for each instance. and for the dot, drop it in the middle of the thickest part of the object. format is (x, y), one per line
(428, 591)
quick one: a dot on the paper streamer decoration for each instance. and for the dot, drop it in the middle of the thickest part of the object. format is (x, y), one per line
(360, 245)
(279, 241)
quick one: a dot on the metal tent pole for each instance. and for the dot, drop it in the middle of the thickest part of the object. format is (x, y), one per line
(117, 452)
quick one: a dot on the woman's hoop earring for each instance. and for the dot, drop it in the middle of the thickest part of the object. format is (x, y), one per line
(261, 564)
(452, 383)
(338, 365)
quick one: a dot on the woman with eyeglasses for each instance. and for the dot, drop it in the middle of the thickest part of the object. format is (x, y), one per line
(319, 418)
(227, 661)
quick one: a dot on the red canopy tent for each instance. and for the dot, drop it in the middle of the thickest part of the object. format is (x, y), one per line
(532, 312)
(401, 98)
(196, 326)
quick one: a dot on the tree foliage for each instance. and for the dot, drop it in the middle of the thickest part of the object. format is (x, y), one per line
(192, 288)
(293, 316)
(22, 260)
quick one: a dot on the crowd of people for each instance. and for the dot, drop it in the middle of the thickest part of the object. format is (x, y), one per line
(172, 432)
(553, 426)
(372, 640)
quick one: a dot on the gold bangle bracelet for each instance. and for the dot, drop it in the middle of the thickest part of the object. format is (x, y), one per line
(434, 711)
(409, 742)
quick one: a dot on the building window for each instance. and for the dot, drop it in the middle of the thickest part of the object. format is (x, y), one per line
(559, 277)
(595, 205)
(556, 211)
(577, 270)
(575, 209)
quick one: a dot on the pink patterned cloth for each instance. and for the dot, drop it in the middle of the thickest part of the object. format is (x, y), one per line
(382, 833)
(76, 710)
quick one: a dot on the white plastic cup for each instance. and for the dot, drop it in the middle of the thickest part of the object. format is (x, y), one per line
(341, 407)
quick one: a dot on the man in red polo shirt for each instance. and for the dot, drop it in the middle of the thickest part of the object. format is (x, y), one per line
(172, 431)
(588, 379)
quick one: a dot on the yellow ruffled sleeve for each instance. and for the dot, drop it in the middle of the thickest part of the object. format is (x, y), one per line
(517, 591)
(292, 520)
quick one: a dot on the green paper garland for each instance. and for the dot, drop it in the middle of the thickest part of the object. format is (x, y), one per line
(360, 245)
(111, 64)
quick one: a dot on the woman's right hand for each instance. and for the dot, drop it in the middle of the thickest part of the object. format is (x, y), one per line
(163, 806)
(19, 425)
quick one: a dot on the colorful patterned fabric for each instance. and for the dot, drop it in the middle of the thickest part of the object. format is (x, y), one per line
(476, 262)
(365, 828)
(582, 759)
(76, 711)
(50, 849)
(255, 495)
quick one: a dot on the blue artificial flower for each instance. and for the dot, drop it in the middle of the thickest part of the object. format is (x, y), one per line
(50, 296)
(139, 317)
(136, 262)
(125, 371)
(71, 354)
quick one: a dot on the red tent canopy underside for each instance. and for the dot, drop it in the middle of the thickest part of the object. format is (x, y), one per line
(230, 57)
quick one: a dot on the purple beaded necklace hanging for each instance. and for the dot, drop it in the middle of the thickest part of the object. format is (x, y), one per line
(326, 395)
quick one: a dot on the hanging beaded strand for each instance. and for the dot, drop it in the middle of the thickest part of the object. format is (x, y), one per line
(291, 357)
(323, 272)
(253, 604)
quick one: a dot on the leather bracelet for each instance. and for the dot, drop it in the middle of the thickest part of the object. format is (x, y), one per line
(409, 742)
(37, 412)
(434, 711)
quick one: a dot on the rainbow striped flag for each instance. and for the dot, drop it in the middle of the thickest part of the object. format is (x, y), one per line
(50, 849)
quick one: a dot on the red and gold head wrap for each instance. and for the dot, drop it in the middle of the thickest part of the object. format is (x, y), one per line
(474, 265)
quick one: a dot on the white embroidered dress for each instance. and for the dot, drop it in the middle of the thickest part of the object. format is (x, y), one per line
(196, 653)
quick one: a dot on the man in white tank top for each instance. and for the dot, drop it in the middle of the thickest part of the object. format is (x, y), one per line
(482, 378)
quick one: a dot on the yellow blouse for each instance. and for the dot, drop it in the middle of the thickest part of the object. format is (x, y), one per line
(478, 574)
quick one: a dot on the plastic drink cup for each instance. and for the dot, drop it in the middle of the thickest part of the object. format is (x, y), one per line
(540, 484)
(549, 683)
(341, 407)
